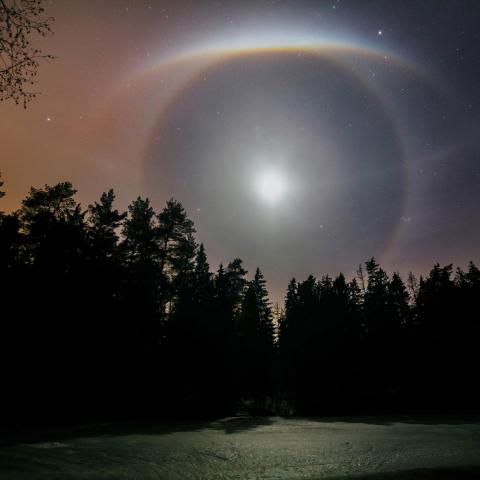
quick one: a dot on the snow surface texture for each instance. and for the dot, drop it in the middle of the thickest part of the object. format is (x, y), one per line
(249, 448)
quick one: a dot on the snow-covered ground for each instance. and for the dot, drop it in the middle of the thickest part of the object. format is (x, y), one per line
(250, 448)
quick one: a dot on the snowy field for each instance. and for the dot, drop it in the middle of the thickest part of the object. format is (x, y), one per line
(250, 448)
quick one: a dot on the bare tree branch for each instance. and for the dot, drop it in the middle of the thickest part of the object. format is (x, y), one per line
(19, 60)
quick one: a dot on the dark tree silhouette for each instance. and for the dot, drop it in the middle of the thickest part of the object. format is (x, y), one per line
(177, 245)
(105, 275)
(255, 329)
(2, 194)
(141, 296)
(106, 314)
(104, 223)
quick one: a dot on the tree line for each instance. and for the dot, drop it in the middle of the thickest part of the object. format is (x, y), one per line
(117, 314)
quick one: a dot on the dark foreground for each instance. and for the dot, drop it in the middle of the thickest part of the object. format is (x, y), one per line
(249, 448)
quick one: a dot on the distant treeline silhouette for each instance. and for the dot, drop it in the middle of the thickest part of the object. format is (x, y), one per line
(108, 314)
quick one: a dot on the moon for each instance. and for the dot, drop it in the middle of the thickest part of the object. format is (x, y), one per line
(271, 186)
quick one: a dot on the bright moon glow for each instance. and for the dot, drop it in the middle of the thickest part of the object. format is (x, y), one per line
(271, 186)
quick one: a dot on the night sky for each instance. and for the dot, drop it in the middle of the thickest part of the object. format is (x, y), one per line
(303, 137)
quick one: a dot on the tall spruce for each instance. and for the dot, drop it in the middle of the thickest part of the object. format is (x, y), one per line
(255, 328)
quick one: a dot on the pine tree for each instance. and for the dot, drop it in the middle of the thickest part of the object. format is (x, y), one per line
(265, 327)
(142, 290)
(288, 337)
(107, 274)
(398, 302)
(57, 285)
(412, 287)
(140, 241)
(175, 235)
(376, 300)
(256, 338)
(235, 281)
(103, 222)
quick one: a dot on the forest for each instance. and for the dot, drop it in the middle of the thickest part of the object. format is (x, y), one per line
(117, 315)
